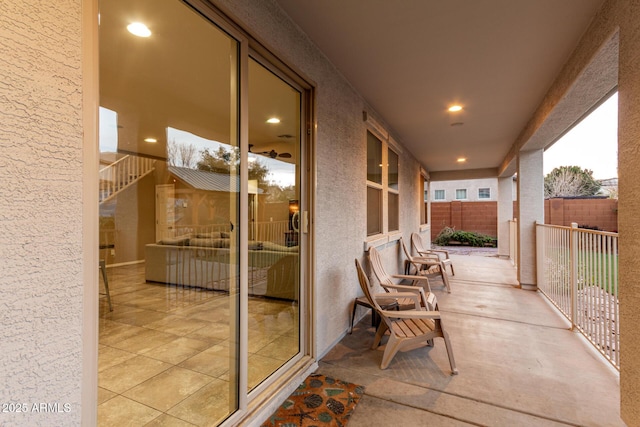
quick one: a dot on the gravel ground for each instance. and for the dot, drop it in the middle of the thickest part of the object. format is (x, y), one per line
(468, 250)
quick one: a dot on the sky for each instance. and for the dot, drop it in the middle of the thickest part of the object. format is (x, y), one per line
(281, 173)
(591, 144)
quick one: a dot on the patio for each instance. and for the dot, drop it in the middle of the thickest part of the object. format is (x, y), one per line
(519, 363)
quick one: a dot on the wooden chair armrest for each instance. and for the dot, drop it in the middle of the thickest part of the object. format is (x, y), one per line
(406, 288)
(412, 314)
(385, 299)
(442, 251)
(409, 277)
(425, 260)
(415, 297)
(427, 255)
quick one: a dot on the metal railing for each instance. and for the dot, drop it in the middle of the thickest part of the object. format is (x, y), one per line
(578, 272)
(122, 174)
(269, 231)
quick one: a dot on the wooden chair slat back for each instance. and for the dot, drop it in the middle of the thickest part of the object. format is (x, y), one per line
(406, 251)
(366, 286)
(378, 268)
(416, 242)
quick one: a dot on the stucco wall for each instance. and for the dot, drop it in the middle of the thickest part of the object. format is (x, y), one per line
(340, 220)
(40, 215)
(629, 203)
(472, 186)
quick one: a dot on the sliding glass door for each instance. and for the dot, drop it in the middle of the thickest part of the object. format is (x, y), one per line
(202, 216)
(274, 221)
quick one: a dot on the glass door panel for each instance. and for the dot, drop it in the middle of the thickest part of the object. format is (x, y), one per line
(169, 215)
(275, 224)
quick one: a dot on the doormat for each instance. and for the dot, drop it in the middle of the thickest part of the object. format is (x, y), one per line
(318, 401)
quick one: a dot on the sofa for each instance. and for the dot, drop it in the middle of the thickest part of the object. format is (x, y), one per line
(205, 261)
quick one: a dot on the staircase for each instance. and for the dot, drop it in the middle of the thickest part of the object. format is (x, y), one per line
(122, 174)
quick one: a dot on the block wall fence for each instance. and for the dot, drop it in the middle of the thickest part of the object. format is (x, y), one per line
(482, 217)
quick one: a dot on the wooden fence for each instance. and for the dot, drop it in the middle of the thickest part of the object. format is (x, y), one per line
(482, 217)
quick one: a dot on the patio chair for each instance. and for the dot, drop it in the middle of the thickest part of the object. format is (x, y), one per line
(443, 256)
(428, 266)
(386, 302)
(391, 300)
(406, 328)
(386, 281)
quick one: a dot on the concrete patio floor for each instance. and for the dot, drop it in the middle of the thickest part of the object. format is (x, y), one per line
(519, 364)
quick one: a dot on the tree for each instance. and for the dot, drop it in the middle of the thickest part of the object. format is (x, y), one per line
(567, 181)
(276, 193)
(181, 154)
(221, 160)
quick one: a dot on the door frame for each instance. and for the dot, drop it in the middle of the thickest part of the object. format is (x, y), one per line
(287, 378)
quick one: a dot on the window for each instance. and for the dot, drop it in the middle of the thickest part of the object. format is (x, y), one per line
(461, 194)
(374, 211)
(383, 195)
(393, 202)
(438, 195)
(374, 185)
(424, 190)
(374, 159)
(484, 193)
(394, 211)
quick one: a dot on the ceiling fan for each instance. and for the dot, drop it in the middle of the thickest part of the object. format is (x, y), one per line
(272, 153)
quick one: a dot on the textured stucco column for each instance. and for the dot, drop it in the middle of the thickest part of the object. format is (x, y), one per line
(505, 213)
(41, 237)
(629, 210)
(530, 211)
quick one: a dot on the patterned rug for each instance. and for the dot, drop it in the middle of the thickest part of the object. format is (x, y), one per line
(318, 401)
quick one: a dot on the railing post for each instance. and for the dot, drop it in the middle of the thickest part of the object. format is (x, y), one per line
(540, 256)
(573, 253)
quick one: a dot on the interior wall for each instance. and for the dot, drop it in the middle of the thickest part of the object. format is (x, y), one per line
(135, 220)
(340, 220)
(41, 169)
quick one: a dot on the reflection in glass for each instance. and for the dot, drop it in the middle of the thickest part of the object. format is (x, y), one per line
(274, 221)
(393, 170)
(169, 214)
(394, 211)
(374, 159)
(374, 211)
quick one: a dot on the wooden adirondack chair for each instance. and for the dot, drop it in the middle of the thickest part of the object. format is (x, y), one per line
(443, 256)
(425, 265)
(407, 328)
(391, 300)
(387, 282)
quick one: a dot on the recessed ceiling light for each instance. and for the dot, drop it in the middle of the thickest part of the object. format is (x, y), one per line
(455, 108)
(151, 140)
(461, 159)
(139, 29)
(273, 120)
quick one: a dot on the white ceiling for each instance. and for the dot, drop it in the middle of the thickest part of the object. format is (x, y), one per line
(181, 79)
(412, 59)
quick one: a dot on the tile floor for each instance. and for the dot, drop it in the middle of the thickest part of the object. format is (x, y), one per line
(166, 356)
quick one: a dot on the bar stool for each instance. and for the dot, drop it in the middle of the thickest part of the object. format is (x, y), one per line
(103, 269)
